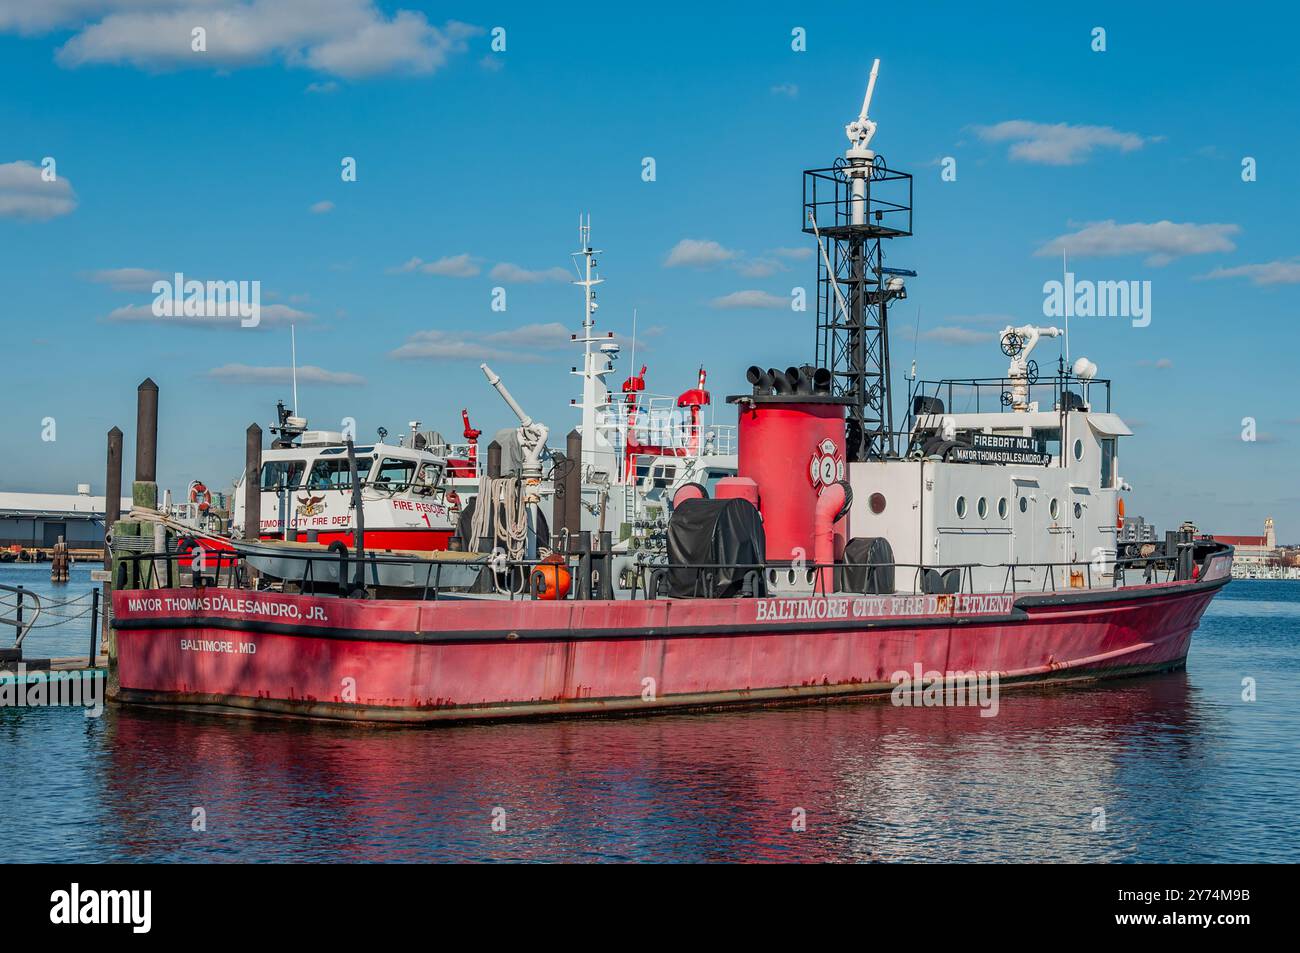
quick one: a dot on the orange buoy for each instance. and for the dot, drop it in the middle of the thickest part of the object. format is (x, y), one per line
(552, 579)
(1119, 511)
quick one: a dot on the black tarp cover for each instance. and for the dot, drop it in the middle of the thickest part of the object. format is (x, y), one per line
(726, 533)
(871, 566)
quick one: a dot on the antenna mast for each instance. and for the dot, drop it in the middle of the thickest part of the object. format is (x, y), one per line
(849, 208)
(293, 360)
(595, 362)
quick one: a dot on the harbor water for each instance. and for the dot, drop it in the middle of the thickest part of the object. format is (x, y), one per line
(1174, 768)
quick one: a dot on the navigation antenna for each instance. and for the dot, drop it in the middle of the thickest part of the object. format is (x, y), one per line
(596, 352)
(849, 208)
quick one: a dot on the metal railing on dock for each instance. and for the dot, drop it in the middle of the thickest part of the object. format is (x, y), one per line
(30, 610)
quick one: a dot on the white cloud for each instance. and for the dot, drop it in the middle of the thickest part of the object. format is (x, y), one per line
(339, 37)
(788, 90)
(964, 337)
(516, 345)
(749, 299)
(1266, 273)
(697, 253)
(326, 87)
(320, 208)
(127, 279)
(759, 267)
(407, 43)
(1059, 143)
(514, 274)
(271, 315)
(453, 266)
(1161, 241)
(798, 254)
(25, 195)
(307, 374)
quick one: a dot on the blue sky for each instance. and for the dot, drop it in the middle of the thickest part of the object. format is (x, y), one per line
(470, 160)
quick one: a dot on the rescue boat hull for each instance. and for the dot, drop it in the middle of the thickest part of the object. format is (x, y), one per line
(465, 660)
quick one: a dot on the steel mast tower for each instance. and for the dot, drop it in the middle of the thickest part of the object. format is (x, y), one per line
(850, 208)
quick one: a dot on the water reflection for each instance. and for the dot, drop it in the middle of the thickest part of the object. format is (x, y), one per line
(876, 783)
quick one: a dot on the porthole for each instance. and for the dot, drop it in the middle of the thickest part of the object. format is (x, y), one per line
(961, 507)
(1078, 511)
(1002, 508)
(1054, 509)
(1078, 449)
(982, 508)
(1024, 504)
(877, 503)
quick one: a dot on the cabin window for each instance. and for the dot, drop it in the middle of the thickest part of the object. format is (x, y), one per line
(982, 507)
(1024, 504)
(664, 476)
(961, 507)
(1078, 449)
(394, 473)
(1003, 508)
(333, 473)
(1078, 511)
(1107, 462)
(1054, 508)
(1048, 440)
(282, 474)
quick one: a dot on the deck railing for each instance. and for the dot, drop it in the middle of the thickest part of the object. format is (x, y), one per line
(591, 575)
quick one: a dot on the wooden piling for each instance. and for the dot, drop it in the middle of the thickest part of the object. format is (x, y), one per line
(252, 482)
(146, 432)
(112, 491)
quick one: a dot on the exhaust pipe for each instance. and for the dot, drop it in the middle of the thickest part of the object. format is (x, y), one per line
(821, 381)
(761, 380)
(780, 381)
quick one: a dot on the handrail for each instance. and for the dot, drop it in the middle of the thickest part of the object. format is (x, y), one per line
(518, 572)
(21, 626)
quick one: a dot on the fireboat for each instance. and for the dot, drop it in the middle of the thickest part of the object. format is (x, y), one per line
(981, 538)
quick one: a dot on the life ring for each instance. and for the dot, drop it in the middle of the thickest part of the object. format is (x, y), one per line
(1119, 512)
(200, 494)
(453, 499)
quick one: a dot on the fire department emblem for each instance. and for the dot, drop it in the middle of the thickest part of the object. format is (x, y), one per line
(310, 505)
(826, 466)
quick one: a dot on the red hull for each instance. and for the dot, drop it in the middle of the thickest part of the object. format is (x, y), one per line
(463, 659)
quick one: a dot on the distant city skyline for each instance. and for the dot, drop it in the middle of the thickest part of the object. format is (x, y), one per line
(382, 169)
